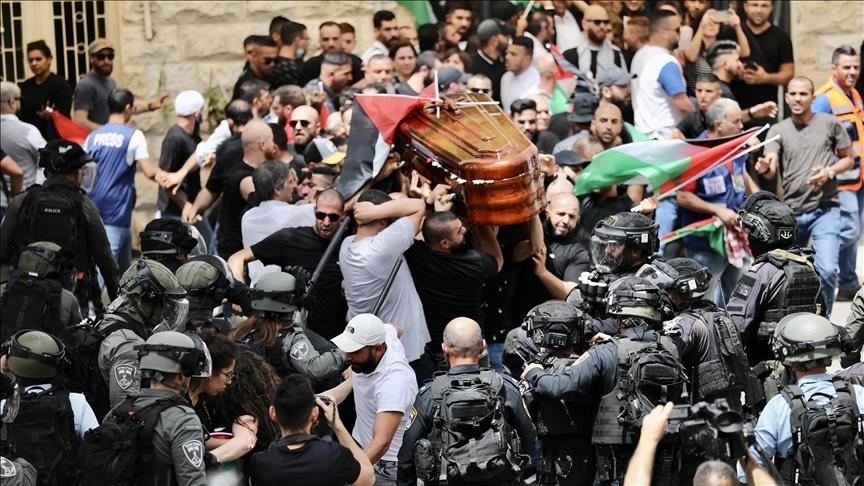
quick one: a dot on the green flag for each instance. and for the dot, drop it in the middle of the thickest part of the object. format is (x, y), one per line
(711, 228)
(419, 9)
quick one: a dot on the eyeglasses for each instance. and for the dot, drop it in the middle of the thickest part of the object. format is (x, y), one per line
(269, 60)
(333, 217)
(105, 55)
(480, 90)
(229, 375)
(303, 123)
(598, 22)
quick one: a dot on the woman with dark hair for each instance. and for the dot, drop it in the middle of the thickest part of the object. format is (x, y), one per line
(404, 60)
(457, 59)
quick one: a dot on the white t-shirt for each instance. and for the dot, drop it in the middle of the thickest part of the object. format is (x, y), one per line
(392, 387)
(514, 87)
(653, 111)
(271, 216)
(366, 265)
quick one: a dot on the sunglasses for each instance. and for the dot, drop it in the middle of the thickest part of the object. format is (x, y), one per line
(269, 60)
(106, 55)
(598, 22)
(333, 217)
(480, 90)
(303, 123)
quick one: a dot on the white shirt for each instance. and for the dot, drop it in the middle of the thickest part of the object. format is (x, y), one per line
(366, 265)
(539, 49)
(514, 87)
(262, 221)
(207, 147)
(568, 33)
(392, 387)
(653, 111)
(31, 145)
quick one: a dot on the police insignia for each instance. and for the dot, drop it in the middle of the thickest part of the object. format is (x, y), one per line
(671, 327)
(411, 417)
(7, 468)
(194, 452)
(299, 350)
(124, 375)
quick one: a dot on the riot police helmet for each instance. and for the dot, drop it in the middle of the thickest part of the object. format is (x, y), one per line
(35, 355)
(206, 279)
(167, 236)
(555, 324)
(44, 259)
(175, 352)
(634, 297)
(615, 237)
(807, 340)
(62, 157)
(693, 278)
(275, 293)
(154, 291)
(768, 222)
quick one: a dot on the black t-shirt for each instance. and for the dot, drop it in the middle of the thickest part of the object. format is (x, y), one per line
(177, 146)
(595, 208)
(245, 76)
(54, 90)
(317, 463)
(693, 124)
(769, 49)
(230, 236)
(545, 141)
(494, 71)
(449, 285)
(312, 69)
(286, 71)
(229, 154)
(301, 246)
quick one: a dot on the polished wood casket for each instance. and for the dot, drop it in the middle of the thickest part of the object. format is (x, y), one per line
(471, 144)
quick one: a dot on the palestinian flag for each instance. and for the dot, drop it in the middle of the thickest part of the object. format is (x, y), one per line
(664, 164)
(565, 82)
(373, 128)
(711, 228)
(635, 134)
(421, 10)
(68, 129)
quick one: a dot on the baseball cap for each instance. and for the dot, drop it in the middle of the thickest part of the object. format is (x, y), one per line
(363, 330)
(448, 75)
(584, 105)
(100, 44)
(614, 76)
(569, 158)
(188, 102)
(492, 27)
(323, 150)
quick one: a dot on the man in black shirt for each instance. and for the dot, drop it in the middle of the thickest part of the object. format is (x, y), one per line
(328, 38)
(262, 56)
(179, 143)
(449, 276)
(305, 247)
(44, 89)
(493, 36)
(771, 63)
(300, 458)
(597, 206)
(289, 63)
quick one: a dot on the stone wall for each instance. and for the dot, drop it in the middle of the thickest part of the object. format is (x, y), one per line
(820, 27)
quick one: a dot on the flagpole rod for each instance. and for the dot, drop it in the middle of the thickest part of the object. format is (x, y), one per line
(528, 9)
(679, 236)
(714, 166)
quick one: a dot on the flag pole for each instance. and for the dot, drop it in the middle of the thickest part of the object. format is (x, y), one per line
(528, 9)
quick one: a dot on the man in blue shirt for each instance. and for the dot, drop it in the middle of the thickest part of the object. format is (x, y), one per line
(719, 193)
(117, 147)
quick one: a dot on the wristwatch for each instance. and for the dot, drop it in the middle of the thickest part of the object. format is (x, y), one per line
(831, 173)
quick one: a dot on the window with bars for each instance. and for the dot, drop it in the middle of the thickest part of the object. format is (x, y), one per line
(75, 24)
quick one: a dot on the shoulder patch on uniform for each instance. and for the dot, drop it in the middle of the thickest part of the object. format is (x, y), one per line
(194, 452)
(7, 468)
(745, 286)
(124, 375)
(412, 415)
(581, 359)
(671, 327)
(299, 350)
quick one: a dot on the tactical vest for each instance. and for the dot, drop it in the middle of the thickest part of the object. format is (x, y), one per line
(562, 417)
(30, 302)
(55, 213)
(847, 112)
(273, 354)
(799, 289)
(726, 371)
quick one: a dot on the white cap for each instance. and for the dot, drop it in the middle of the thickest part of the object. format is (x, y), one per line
(363, 330)
(188, 103)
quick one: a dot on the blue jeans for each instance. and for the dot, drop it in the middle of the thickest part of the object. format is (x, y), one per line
(666, 217)
(724, 275)
(385, 472)
(823, 226)
(495, 352)
(120, 238)
(850, 230)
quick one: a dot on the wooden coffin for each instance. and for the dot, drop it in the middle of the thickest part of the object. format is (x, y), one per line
(477, 149)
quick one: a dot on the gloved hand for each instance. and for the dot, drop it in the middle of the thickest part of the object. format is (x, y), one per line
(850, 359)
(301, 275)
(210, 461)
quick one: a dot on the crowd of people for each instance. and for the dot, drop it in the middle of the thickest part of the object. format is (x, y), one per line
(272, 329)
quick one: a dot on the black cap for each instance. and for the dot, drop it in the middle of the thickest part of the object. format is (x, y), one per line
(569, 158)
(63, 156)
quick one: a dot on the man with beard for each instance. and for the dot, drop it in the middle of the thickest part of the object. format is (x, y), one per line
(261, 61)
(384, 388)
(459, 15)
(336, 75)
(522, 78)
(305, 246)
(449, 275)
(386, 31)
(304, 121)
(90, 107)
(595, 52)
(606, 126)
(524, 115)
(493, 35)
(614, 84)
(659, 92)
(328, 38)
(552, 272)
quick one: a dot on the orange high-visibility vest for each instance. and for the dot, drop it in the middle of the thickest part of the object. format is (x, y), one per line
(847, 110)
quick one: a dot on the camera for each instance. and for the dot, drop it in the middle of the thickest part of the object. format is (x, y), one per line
(708, 430)
(323, 428)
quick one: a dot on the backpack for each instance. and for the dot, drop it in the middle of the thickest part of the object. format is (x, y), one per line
(727, 370)
(54, 215)
(471, 439)
(799, 289)
(827, 438)
(43, 433)
(120, 452)
(31, 303)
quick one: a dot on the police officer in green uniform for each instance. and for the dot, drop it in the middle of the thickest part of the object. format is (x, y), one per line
(168, 360)
(208, 282)
(13, 471)
(275, 301)
(151, 300)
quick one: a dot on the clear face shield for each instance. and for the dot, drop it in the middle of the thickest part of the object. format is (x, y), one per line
(89, 181)
(198, 362)
(607, 254)
(175, 309)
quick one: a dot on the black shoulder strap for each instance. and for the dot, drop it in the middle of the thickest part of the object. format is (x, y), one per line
(149, 415)
(617, 57)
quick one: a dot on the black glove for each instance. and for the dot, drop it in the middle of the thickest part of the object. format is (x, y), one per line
(210, 461)
(850, 359)
(301, 275)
